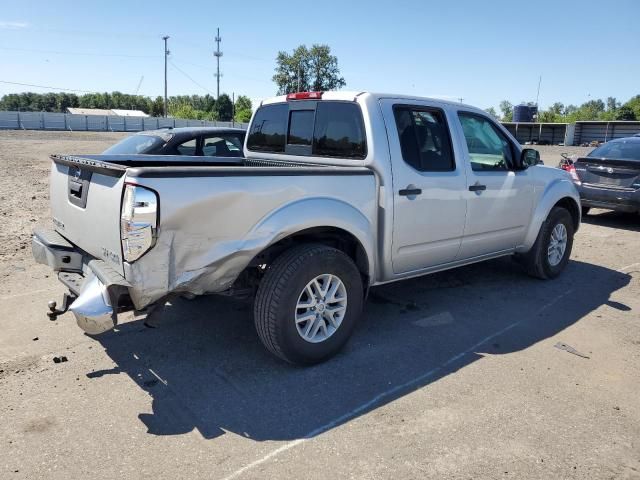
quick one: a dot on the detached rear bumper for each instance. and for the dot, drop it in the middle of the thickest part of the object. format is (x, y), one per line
(99, 289)
(624, 200)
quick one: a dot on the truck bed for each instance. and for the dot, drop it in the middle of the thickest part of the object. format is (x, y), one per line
(215, 214)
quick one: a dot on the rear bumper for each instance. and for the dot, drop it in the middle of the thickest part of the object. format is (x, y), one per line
(609, 198)
(98, 288)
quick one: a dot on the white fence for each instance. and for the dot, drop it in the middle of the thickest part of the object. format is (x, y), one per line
(98, 123)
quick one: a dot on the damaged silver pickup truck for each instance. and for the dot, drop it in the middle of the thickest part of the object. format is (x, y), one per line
(336, 192)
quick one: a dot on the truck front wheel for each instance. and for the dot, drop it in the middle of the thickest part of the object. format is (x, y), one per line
(550, 254)
(308, 303)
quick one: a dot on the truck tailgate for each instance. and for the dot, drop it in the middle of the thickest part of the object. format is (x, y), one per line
(85, 206)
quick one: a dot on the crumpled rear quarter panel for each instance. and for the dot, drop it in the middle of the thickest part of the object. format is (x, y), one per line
(211, 227)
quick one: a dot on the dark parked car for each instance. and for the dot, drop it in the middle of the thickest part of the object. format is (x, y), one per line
(194, 141)
(609, 176)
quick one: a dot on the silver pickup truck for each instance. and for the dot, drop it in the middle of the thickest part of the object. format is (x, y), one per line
(336, 192)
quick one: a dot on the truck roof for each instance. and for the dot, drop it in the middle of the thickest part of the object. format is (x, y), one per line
(352, 95)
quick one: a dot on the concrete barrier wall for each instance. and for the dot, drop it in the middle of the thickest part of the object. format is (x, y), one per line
(98, 123)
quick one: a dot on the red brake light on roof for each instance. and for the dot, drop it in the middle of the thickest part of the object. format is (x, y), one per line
(304, 96)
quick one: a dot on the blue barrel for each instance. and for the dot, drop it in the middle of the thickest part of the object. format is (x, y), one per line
(524, 113)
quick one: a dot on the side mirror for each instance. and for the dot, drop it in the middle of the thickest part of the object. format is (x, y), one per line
(529, 158)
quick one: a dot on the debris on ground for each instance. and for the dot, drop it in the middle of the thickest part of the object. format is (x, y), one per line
(570, 349)
(59, 359)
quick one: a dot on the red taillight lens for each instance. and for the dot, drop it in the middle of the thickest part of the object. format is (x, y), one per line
(574, 175)
(305, 96)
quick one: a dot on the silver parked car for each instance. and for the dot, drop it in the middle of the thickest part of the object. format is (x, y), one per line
(336, 192)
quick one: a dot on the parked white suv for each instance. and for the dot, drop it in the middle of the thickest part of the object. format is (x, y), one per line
(338, 191)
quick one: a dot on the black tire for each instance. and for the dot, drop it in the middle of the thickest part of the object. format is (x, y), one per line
(536, 260)
(275, 303)
(585, 211)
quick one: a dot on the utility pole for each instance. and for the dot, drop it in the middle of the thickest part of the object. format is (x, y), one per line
(218, 54)
(166, 54)
(299, 69)
(233, 109)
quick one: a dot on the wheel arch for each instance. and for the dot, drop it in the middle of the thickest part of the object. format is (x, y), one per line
(331, 236)
(323, 221)
(559, 193)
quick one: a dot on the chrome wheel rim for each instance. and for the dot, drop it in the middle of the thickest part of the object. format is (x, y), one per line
(557, 244)
(321, 307)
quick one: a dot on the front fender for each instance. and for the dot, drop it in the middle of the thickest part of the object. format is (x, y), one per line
(555, 191)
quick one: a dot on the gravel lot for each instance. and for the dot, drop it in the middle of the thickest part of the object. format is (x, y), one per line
(454, 375)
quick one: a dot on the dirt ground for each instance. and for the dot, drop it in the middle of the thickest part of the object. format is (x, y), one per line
(462, 374)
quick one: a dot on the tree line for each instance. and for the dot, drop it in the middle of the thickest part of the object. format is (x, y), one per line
(609, 109)
(182, 106)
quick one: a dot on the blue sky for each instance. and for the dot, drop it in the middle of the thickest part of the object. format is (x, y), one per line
(482, 51)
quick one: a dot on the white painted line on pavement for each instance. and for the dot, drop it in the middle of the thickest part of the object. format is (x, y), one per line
(378, 398)
(353, 413)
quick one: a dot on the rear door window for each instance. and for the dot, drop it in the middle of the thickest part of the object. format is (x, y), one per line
(188, 147)
(424, 138)
(222, 146)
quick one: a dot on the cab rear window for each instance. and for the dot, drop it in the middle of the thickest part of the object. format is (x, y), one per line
(323, 128)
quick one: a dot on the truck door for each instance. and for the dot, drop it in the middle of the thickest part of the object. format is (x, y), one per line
(499, 199)
(428, 186)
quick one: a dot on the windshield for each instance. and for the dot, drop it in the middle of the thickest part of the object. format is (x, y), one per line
(618, 149)
(135, 144)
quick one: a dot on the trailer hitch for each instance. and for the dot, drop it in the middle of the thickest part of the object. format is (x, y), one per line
(54, 312)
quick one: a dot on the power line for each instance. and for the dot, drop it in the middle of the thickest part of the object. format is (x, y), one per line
(232, 75)
(48, 87)
(189, 77)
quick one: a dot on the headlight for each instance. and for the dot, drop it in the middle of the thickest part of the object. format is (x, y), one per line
(138, 221)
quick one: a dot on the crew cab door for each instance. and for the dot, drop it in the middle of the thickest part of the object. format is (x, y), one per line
(428, 186)
(499, 199)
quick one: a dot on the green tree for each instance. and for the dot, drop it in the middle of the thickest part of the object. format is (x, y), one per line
(307, 69)
(243, 103)
(492, 111)
(224, 108)
(506, 107)
(634, 104)
(243, 109)
(157, 107)
(625, 112)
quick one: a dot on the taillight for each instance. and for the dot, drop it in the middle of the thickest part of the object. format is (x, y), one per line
(138, 221)
(571, 169)
(305, 96)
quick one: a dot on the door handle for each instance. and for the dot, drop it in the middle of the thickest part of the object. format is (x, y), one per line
(405, 192)
(477, 187)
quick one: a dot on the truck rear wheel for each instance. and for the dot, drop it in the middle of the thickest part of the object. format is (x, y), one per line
(550, 254)
(308, 303)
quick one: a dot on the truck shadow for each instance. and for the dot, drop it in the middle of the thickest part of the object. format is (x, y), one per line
(205, 368)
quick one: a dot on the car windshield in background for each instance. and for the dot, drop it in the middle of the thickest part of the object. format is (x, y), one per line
(626, 149)
(135, 144)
